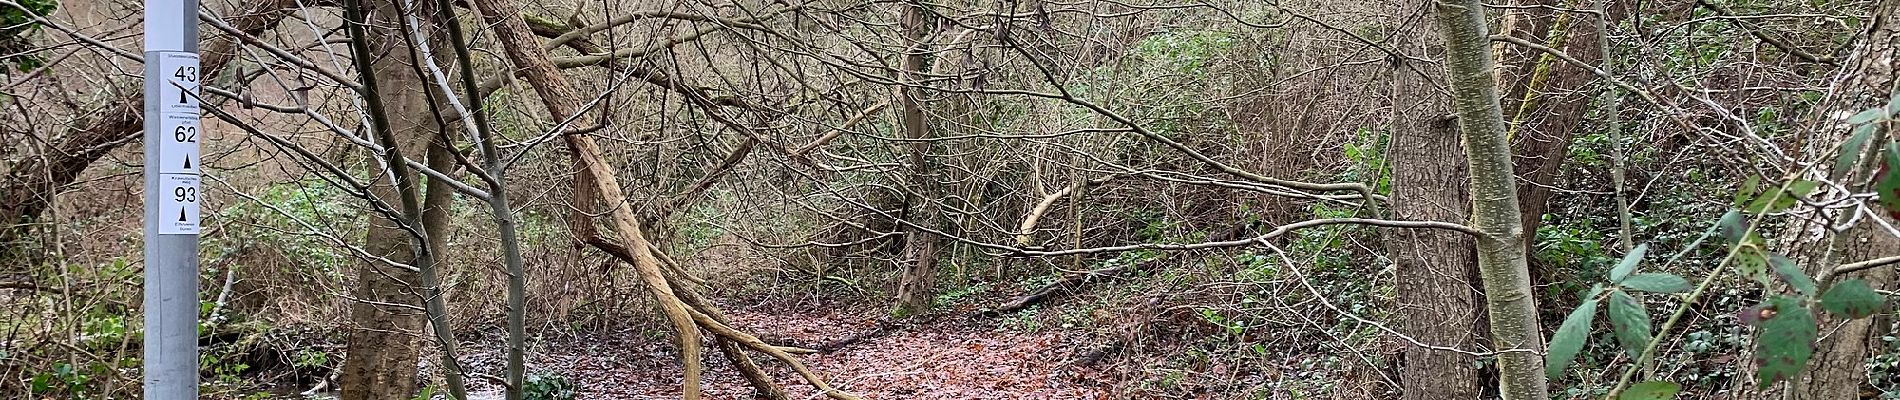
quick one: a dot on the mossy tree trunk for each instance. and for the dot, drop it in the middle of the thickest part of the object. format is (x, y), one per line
(1544, 100)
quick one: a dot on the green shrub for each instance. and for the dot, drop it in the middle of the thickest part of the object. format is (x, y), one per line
(546, 386)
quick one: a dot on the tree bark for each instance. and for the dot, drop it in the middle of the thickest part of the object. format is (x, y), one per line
(1543, 99)
(1436, 299)
(1838, 369)
(917, 286)
(383, 348)
(495, 171)
(1502, 267)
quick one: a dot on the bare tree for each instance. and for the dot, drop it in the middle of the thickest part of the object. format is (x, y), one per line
(401, 106)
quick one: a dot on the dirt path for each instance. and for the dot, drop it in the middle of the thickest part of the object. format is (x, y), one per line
(947, 359)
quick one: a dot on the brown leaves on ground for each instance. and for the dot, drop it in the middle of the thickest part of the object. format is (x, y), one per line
(946, 359)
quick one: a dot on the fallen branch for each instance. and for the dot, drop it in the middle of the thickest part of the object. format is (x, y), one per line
(1068, 285)
(1076, 282)
(24, 285)
(883, 327)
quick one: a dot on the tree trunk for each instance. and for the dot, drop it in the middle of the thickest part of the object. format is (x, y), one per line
(1838, 369)
(595, 177)
(383, 348)
(916, 288)
(495, 171)
(1543, 98)
(1502, 267)
(1437, 303)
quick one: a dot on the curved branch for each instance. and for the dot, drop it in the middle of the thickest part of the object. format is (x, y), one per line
(1028, 227)
(839, 131)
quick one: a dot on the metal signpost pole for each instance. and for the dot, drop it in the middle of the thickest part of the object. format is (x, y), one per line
(171, 199)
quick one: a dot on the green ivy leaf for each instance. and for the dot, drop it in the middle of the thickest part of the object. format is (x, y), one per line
(1803, 188)
(1851, 298)
(42, 383)
(1851, 149)
(1786, 342)
(1631, 321)
(1652, 390)
(1569, 338)
(1792, 274)
(1778, 198)
(1656, 282)
(1628, 265)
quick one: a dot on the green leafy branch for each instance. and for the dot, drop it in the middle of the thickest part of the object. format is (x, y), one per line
(1787, 324)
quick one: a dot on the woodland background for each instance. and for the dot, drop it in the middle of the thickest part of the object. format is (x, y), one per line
(975, 199)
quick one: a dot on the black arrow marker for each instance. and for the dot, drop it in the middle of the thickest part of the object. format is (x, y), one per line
(181, 215)
(187, 163)
(181, 95)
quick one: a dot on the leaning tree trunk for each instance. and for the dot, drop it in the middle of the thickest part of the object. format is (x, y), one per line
(1502, 266)
(1838, 369)
(1437, 303)
(915, 289)
(383, 347)
(596, 184)
(1543, 99)
(595, 177)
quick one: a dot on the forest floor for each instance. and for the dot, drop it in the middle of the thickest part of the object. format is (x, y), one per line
(947, 357)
